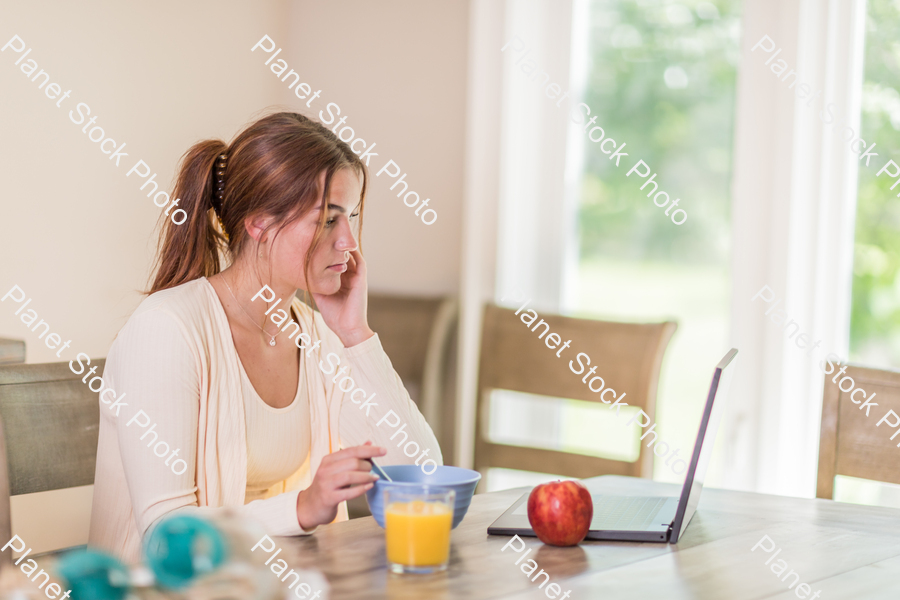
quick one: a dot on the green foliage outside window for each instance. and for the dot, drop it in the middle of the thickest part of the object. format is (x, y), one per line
(875, 313)
(662, 79)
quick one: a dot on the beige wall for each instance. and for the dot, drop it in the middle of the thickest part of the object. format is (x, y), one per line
(79, 237)
(397, 69)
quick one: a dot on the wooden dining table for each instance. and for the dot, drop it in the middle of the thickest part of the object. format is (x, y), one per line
(839, 550)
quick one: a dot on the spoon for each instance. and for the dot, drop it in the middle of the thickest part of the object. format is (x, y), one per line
(379, 470)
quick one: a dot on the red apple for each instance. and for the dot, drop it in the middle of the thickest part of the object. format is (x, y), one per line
(560, 512)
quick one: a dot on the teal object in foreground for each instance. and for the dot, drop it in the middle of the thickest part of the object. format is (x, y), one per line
(93, 575)
(183, 548)
(462, 481)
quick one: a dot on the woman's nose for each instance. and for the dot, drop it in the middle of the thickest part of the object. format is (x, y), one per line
(346, 241)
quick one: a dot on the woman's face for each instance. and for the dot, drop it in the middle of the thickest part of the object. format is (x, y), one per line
(329, 260)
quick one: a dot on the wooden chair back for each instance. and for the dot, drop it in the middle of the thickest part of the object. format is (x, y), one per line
(50, 425)
(850, 443)
(628, 357)
(11, 352)
(414, 332)
(417, 334)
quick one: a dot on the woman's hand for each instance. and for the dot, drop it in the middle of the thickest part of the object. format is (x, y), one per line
(345, 311)
(342, 476)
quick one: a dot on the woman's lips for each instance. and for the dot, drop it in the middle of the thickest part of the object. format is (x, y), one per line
(340, 268)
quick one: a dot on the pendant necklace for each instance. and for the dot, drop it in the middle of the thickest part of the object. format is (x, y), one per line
(272, 340)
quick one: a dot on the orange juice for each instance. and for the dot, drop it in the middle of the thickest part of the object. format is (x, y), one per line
(418, 532)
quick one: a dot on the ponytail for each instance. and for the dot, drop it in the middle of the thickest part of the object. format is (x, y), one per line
(191, 250)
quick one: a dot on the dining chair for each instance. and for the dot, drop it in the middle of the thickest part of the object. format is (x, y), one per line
(11, 351)
(415, 333)
(50, 423)
(851, 443)
(418, 335)
(513, 357)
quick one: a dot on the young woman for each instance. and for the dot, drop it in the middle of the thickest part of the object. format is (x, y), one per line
(233, 401)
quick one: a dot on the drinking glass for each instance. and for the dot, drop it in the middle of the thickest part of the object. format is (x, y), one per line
(417, 523)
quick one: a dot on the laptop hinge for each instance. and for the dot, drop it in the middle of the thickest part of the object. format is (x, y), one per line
(669, 532)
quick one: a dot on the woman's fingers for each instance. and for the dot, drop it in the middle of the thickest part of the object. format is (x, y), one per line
(346, 474)
(357, 257)
(354, 465)
(355, 269)
(364, 451)
(355, 452)
(350, 460)
(347, 464)
(351, 478)
(352, 492)
(342, 475)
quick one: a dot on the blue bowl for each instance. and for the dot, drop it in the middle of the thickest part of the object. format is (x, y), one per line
(462, 481)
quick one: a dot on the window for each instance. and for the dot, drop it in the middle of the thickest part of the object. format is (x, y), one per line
(875, 307)
(875, 313)
(661, 78)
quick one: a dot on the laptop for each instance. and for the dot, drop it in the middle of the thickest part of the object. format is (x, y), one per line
(646, 519)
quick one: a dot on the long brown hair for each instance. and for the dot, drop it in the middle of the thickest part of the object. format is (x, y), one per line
(272, 168)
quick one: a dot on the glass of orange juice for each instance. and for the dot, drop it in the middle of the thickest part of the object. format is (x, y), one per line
(417, 523)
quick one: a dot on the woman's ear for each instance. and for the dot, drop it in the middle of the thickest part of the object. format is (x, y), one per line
(256, 225)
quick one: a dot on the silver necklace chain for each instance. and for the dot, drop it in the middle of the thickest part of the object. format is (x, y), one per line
(272, 341)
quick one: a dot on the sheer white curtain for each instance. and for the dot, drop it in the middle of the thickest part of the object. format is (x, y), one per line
(794, 201)
(793, 211)
(536, 198)
(519, 202)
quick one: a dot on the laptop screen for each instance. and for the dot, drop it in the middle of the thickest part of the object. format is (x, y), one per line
(703, 448)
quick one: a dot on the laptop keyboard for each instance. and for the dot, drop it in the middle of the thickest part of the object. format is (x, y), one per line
(625, 512)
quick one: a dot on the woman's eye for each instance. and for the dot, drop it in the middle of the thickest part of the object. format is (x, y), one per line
(330, 222)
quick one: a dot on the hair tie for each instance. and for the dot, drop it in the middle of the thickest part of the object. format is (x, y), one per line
(219, 192)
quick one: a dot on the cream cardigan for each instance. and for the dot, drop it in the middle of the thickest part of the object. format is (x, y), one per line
(175, 360)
